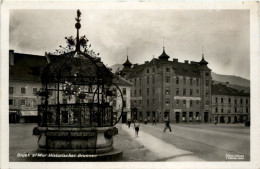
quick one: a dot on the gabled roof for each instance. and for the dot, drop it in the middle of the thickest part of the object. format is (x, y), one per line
(121, 81)
(221, 89)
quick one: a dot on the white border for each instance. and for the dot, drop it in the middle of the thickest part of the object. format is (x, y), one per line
(254, 72)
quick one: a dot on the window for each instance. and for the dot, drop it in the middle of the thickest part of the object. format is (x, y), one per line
(198, 92)
(153, 90)
(64, 101)
(167, 78)
(11, 90)
(184, 102)
(207, 93)
(140, 92)
(246, 101)
(23, 90)
(147, 102)
(241, 101)
(135, 82)
(197, 102)
(167, 91)
(77, 100)
(22, 102)
(190, 92)
(207, 102)
(124, 91)
(236, 101)
(177, 80)
(135, 93)
(147, 91)
(190, 81)
(167, 69)
(184, 80)
(216, 100)
(147, 79)
(235, 109)
(34, 90)
(207, 83)
(167, 102)
(140, 81)
(153, 79)
(153, 70)
(153, 101)
(11, 102)
(197, 81)
(147, 71)
(140, 102)
(184, 92)
(177, 101)
(190, 103)
(222, 110)
(207, 73)
(216, 109)
(222, 100)
(229, 100)
(247, 109)
(124, 103)
(177, 91)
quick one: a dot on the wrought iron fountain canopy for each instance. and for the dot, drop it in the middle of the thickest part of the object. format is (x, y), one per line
(81, 85)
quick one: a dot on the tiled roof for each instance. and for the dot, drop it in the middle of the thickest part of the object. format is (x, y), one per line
(221, 89)
(27, 67)
(181, 69)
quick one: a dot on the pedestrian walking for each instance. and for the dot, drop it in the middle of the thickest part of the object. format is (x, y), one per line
(129, 123)
(167, 125)
(154, 121)
(136, 127)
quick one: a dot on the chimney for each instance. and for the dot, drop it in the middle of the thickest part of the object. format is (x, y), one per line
(135, 65)
(186, 61)
(146, 62)
(11, 57)
(193, 63)
(227, 84)
(175, 60)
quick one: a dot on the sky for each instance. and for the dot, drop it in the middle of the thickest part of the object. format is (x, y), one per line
(224, 35)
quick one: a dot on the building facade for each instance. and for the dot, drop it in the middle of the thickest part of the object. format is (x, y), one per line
(229, 105)
(170, 90)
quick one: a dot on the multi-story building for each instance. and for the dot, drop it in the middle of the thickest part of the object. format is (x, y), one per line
(25, 82)
(164, 89)
(229, 105)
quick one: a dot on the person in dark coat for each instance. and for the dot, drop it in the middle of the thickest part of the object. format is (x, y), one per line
(129, 123)
(136, 127)
(167, 125)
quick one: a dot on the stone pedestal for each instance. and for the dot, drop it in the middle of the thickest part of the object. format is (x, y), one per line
(95, 141)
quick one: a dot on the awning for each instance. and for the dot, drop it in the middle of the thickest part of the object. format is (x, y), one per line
(29, 113)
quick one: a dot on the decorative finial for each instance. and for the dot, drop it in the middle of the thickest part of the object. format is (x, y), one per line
(78, 26)
(163, 44)
(202, 52)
